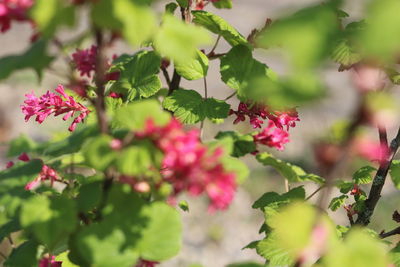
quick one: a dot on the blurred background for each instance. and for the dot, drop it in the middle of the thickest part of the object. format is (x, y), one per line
(213, 240)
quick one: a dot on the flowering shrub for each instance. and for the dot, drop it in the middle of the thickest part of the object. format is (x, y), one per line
(110, 193)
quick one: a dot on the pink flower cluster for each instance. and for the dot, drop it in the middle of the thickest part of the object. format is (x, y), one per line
(276, 133)
(189, 165)
(49, 261)
(47, 173)
(200, 4)
(272, 137)
(13, 10)
(51, 103)
(85, 62)
(146, 263)
(370, 149)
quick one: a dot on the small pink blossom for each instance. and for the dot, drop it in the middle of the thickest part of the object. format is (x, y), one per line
(371, 150)
(85, 60)
(116, 144)
(13, 10)
(9, 164)
(24, 157)
(51, 103)
(49, 261)
(272, 137)
(258, 113)
(47, 173)
(368, 78)
(286, 118)
(146, 263)
(189, 165)
(115, 95)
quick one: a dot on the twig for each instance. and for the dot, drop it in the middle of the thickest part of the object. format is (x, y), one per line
(11, 241)
(286, 185)
(166, 76)
(215, 46)
(3, 256)
(176, 80)
(315, 192)
(379, 181)
(395, 231)
(230, 96)
(205, 96)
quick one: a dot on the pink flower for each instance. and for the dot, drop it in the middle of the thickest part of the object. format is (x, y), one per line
(188, 164)
(9, 164)
(85, 60)
(272, 137)
(24, 157)
(51, 103)
(368, 78)
(371, 150)
(257, 113)
(146, 263)
(13, 10)
(49, 261)
(47, 173)
(116, 144)
(284, 118)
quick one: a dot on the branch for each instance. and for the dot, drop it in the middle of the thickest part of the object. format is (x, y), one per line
(379, 180)
(174, 84)
(100, 82)
(395, 231)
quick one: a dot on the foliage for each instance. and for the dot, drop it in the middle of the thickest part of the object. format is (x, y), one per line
(105, 194)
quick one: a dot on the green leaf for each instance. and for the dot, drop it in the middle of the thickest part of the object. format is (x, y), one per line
(89, 196)
(19, 145)
(72, 144)
(183, 3)
(137, 160)
(291, 172)
(135, 115)
(269, 249)
(359, 249)
(223, 4)
(306, 35)
(103, 14)
(184, 205)
(190, 107)
(171, 7)
(12, 183)
(395, 255)
(274, 198)
(49, 14)
(49, 219)
(242, 143)
(34, 58)
(395, 173)
(338, 202)
(236, 166)
(8, 228)
(238, 68)
(161, 239)
(186, 105)
(138, 22)
(63, 257)
(98, 153)
(345, 54)
(193, 69)
(139, 75)
(178, 40)
(219, 26)
(344, 186)
(23, 255)
(381, 37)
(363, 175)
(129, 229)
